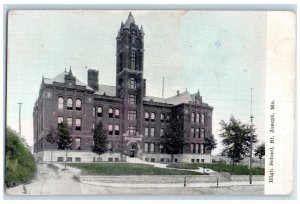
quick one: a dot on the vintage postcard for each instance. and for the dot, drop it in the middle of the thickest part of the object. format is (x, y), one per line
(150, 102)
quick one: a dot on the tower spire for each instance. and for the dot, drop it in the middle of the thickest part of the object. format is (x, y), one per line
(130, 19)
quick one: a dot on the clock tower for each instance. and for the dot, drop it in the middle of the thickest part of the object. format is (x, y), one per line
(130, 84)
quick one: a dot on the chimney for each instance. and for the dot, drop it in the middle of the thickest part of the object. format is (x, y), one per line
(93, 79)
(178, 92)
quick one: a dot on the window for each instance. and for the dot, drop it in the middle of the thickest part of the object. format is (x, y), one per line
(117, 113)
(132, 130)
(176, 160)
(78, 159)
(60, 159)
(152, 132)
(202, 133)
(162, 132)
(152, 147)
(69, 104)
(78, 104)
(192, 160)
(131, 115)
(202, 160)
(110, 130)
(162, 117)
(110, 113)
(198, 148)
(69, 159)
(99, 111)
(78, 124)
(132, 83)
(152, 159)
(161, 148)
(146, 132)
(152, 117)
(146, 116)
(94, 111)
(197, 133)
(202, 118)
(168, 118)
(198, 118)
(146, 147)
(162, 160)
(70, 122)
(132, 99)
(60, 104)
(193, 117)
(117, 159)
(192, 148)
(133, 59)
(77, 143)
(117, 130)
(202, 149)
(110, 159)
(110, 147)
(60, 120)
(197, 160)
(192, 132)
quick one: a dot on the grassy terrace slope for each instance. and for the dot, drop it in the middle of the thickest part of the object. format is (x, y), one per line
(127, 169)
(238, 169)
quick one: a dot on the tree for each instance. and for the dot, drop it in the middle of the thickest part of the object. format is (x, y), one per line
(100, 139)
(173, 141)
(260, 152)
(210, 143)
(51, 138)
(236, 139)
(64, 140)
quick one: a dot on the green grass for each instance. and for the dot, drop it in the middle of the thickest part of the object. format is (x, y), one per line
(20, 166)
(238, 169)
(127, 169)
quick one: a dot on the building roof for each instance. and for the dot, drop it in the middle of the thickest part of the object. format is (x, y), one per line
(108, 90)
(184, 97)
(61, 79)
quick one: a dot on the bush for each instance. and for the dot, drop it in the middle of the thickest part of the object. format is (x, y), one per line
(20, 166)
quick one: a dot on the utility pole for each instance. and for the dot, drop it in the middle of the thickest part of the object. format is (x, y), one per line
(163, 87)
(20, 130)
(251, 140)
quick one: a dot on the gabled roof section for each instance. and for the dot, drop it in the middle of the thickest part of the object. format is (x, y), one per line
(106, 90)
(184, 97)
(61, 79)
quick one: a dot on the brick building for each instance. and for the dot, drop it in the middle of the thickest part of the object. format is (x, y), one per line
(135, 122)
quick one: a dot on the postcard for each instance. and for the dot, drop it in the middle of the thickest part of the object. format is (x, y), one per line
(150, 102)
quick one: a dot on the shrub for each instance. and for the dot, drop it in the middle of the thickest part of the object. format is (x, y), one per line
(20, 166)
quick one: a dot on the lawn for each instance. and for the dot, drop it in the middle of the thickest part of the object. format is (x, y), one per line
(127, 169)
(238, 169)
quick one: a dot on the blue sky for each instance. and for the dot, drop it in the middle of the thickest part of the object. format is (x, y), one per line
(221, 53)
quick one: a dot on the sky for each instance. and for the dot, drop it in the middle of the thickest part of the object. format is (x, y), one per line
(221, 53)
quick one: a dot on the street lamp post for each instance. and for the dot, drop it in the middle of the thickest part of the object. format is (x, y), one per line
(251, 141)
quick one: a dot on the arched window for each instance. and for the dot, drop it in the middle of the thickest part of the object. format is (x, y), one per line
(60, 104)
(198, 118)
(110, 113)
(152, 117)
(69, 104)
(78, 104)
(202, 118)
(132, 83)
(146, 116)
(117, 113)
(193, 117)
(162, 117)
(99, 111)
(168, 118)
